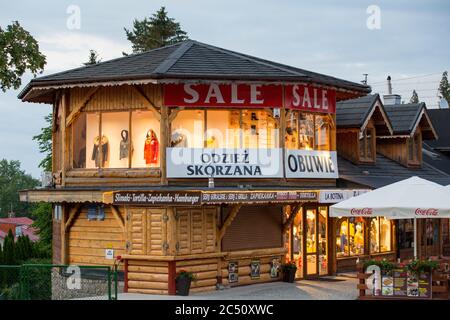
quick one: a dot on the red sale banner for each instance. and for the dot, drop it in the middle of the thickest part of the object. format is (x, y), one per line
(223, 95)
(309, 98)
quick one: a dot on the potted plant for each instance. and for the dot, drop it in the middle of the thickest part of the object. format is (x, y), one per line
(289, 269)
(418, 266)
(183, 282)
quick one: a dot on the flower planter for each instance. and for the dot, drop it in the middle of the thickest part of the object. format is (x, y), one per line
(289, 275)
(183, 285)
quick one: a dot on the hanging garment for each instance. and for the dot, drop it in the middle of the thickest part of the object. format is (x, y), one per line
(96, 152)
(125, 146)
(151, 149)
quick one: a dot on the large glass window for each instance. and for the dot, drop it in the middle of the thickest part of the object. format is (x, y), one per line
(307, 131)
(446, 232)
(380, 235)
(350, 237)
(115, 140)
(248, 128)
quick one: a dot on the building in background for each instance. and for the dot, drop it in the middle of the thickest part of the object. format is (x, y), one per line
(21, 226)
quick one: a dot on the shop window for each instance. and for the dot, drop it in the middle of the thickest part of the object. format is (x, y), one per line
(380, 235)
(366, 145)
(145, 139)
(306, 131)
(414, 148)
(322, 135)
(188, 129)
(350, 237)
(297, 243)
(225, 129)
(115, 140)
(405, 233)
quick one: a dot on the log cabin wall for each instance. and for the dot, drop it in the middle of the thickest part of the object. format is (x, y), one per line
(88, 239)
(394, 149)
(347, 144)
(149, 277)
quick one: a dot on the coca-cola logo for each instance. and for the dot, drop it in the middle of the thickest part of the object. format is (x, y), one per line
(361, 212)
(427, 212)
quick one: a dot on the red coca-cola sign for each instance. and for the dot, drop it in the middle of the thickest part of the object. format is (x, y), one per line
(361, 211)
(427, 212)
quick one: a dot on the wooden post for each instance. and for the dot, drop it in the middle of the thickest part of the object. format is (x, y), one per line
(64, 146)
(165, 135)
(64, 209)
(292, 216)
(125, 276)
(172, 274)
(171, 231)
(227, 222)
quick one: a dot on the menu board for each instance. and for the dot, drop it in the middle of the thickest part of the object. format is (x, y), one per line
(402, 283)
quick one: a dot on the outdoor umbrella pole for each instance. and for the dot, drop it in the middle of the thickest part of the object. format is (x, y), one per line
(415, 238)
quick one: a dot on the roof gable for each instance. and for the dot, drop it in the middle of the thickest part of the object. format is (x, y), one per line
(356, 113)
(406, 118)
(440, 119)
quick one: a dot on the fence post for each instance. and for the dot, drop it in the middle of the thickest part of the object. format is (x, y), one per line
(109, 283)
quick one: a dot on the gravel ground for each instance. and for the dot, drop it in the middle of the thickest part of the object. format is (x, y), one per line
(300, 290)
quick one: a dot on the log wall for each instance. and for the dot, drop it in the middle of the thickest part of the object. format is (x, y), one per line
(149, 277)
(88, 240)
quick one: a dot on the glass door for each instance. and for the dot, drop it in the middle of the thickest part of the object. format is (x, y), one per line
(322, 241)
(311, 242)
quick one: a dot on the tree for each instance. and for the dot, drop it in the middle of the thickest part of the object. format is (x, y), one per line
(93, 58)
(13, 179)
(9, 257)
(44, 140)
(414, 97)
(43, 222)
(444, 87)
(19, 52)
(155, 32)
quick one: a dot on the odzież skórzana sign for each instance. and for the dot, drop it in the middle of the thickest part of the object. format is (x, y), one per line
(152, 198)
(258, 196)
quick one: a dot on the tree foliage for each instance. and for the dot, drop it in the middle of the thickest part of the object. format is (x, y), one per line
(93, 58)
(13, 179)
(42, 216)
(444, 87)
(414, 97)
(44, 140)
(19, 52)
(157, 31)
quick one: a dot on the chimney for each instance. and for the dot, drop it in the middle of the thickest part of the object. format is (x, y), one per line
(391, 99)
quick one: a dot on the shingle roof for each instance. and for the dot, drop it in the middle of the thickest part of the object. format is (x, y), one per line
(435, 158)
(352, 113)
(189, 60)
(386, 171)
(441, 122)
(404, 116)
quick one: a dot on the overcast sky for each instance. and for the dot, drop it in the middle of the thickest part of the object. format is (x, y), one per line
(412, 44)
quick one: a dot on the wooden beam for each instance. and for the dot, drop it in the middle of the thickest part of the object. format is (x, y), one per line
(291, 218)
(118, 216)
(174, 113)
(233, 213)
(152, 106)
(77, 109)
(73, 213)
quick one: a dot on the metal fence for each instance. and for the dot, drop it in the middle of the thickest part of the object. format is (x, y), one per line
(58, 282)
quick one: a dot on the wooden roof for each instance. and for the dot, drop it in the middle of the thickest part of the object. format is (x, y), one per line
(186, 60)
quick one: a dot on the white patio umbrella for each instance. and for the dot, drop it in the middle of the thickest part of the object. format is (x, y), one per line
(407, 199)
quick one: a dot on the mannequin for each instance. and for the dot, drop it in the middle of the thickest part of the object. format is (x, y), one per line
(104, 143)
(359, 239)
(125, 146)
(151, 148)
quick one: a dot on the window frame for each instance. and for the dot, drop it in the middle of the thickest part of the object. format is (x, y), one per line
(129, 113)
(391, 230)
(347, 253)
(365, 158)
(332, 128)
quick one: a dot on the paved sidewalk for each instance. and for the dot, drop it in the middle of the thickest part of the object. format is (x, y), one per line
(338, 288)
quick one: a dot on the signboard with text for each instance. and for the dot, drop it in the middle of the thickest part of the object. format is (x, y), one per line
(224, 163)
(311, 164)
(242, 95)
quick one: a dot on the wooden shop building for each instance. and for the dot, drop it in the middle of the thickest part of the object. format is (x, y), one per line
(199, 158)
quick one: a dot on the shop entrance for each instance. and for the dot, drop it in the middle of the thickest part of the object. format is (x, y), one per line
(429, 242)
(309, 247)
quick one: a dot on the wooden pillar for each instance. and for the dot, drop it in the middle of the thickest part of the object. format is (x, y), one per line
(125, 276)
(64, 146)
(165, 135)
(64, 237)
(172, 275)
